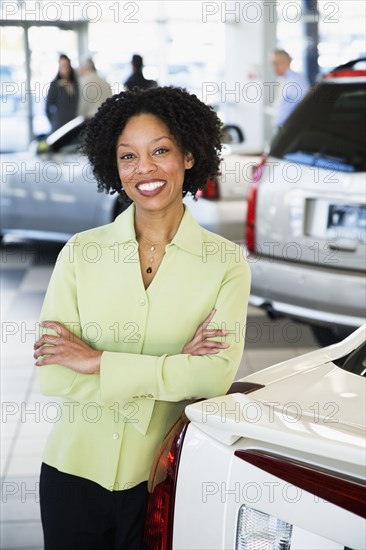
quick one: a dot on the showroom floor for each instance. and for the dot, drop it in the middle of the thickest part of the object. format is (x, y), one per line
(27, 415)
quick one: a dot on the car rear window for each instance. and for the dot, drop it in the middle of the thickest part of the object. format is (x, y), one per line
(328, 129)
(354, 362)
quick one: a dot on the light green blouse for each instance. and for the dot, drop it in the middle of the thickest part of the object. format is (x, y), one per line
(112, 423)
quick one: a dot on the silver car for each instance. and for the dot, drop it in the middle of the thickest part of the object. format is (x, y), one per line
(49, 192)
(306, 214)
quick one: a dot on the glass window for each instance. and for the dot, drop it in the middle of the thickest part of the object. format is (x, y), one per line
(45, 45)
(341, 32)
(355, 361)
(326, 128)
(14, 133)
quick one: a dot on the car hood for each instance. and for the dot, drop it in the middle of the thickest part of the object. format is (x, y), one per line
(307, 404)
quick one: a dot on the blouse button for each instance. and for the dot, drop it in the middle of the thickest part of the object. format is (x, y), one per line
(115, 436)
(142, 302)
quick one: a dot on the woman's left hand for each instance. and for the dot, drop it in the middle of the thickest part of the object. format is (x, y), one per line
(65, 349)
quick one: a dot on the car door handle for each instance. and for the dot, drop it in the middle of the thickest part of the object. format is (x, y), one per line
(343, 246)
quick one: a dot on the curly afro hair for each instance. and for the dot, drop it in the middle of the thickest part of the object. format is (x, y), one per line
(193, 124)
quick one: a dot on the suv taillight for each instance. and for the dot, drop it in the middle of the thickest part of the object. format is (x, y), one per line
(211, 190)
(158, 534)
(255, 529)
(252, 203)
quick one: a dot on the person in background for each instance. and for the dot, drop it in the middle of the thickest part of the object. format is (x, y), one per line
(293, 87)
(137, 79)
(63, 95)
(168, 301)
(93, 89)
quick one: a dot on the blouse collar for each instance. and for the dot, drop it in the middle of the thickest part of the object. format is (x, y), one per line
(189, 235)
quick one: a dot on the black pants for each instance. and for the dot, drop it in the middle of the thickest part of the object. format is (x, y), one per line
(78, 514)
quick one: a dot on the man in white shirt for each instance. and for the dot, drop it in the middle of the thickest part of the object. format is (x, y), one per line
(293, 87)
(94, 90)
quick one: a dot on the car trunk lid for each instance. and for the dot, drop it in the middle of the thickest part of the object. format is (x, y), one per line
(310, 204)
(316, 420)
(320, 218)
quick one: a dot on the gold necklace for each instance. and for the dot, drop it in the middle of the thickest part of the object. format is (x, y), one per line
(151, 257)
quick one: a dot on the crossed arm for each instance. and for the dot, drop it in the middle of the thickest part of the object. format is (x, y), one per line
(204, 366)
(67, 350)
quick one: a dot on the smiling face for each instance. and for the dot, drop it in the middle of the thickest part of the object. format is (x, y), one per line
(150, 163)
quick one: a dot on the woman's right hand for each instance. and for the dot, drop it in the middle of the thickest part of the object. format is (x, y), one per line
(200, 345)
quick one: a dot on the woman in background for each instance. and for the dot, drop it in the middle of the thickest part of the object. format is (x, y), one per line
(63, 95)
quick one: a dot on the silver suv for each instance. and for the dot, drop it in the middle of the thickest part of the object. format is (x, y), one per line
(306, 216)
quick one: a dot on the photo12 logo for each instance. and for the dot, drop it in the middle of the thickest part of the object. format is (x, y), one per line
(253, 12)
(88, 12)
(270, 412)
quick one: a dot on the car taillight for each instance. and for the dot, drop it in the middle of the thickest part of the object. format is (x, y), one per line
(211, 190)
(251, 205)
(158, 534)
(250, 225)
(345, 73)
(256, 529)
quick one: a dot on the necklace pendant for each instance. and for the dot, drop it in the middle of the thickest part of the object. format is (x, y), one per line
(149, 270)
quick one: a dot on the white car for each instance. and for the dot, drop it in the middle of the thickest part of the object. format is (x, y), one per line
(278, 464)
(306, 213)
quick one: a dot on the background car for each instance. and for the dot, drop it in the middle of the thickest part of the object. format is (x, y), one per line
(49, 192)
(306, 213)
(277, 463)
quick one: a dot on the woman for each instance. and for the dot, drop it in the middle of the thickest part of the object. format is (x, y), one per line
(63, 95)
(147, 313)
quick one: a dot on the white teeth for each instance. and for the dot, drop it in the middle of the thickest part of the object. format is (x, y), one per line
(151, 186)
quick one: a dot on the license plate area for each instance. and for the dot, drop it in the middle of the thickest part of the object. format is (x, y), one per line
(326, 219)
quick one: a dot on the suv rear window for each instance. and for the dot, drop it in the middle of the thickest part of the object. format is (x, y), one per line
(328, 129)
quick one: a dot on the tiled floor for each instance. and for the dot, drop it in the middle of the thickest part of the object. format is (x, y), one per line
(27, 416)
